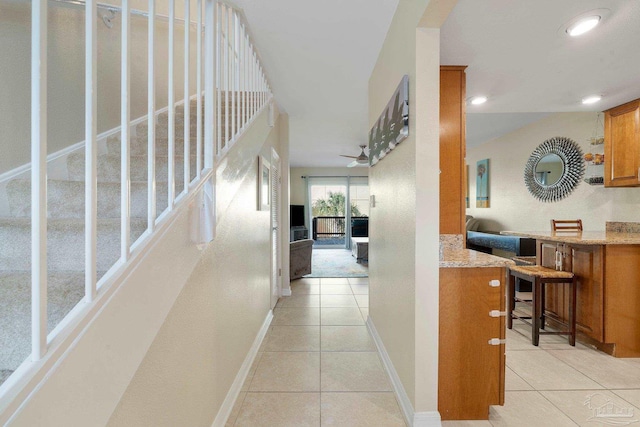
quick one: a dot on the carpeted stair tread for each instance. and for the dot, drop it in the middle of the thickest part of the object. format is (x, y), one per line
(64, 291)
(162, 129)
(65, 243)
(109, 167)
(139, 144)
(66, 199)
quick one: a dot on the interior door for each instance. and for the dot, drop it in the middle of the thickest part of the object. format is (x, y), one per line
(276, 259)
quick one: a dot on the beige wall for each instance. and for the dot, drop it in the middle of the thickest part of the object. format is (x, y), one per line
(514, 208)
(403, 250)
(66, 75)
(197, 353)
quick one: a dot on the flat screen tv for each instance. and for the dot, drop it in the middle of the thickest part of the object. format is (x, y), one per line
(297, 215)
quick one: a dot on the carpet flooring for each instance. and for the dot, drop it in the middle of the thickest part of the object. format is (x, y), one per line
(336, 263)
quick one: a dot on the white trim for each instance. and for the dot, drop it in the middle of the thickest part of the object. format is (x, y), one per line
(413, 419)
(427, 419)
(39, 78)
(236, 387)
(286, 292)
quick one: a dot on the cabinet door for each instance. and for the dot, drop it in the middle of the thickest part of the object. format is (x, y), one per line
(622, 145)
(452, 150)
(586, 262)
(471, 371)
(588, 266)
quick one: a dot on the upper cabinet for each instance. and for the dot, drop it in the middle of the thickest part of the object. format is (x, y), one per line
(452, 149)
(622, 145)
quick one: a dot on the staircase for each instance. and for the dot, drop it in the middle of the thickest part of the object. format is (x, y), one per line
(66, 240)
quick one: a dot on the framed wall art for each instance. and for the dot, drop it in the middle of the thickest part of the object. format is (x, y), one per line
(482, 184)
(264, 174)
(392, 126)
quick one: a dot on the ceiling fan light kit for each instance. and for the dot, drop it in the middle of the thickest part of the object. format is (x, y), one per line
(361, 160)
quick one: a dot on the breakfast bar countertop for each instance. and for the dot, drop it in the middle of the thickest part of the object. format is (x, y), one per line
(467, 258)
(581, 237)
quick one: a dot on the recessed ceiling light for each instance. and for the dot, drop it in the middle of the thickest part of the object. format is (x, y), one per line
(583, 25)
(477, 100)
(584, 22)
(591, 99)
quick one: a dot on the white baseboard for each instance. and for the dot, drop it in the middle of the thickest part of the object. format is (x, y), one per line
(286, 292)
(427, 419)
(234, 391)
(413, 419)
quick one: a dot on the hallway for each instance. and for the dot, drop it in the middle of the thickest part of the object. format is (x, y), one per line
(318, 365)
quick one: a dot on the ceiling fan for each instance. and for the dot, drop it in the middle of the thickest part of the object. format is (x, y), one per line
(361, 160)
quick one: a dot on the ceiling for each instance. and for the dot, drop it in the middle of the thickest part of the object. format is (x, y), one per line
(517, 57)
(319, 56)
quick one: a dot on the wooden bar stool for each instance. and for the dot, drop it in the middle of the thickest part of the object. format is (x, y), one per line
(540, 276)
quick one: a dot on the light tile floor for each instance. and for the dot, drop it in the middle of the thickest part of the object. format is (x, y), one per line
(318, 366)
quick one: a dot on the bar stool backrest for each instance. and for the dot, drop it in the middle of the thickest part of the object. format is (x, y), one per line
(566, 225)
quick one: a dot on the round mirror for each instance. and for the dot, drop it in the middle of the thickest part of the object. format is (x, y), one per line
(554, 169)
(549, 169)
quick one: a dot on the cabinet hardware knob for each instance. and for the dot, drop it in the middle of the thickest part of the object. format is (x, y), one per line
(495, 283)
(497, 341)
(497, 313)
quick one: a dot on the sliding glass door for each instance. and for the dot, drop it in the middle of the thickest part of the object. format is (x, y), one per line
(333, 203)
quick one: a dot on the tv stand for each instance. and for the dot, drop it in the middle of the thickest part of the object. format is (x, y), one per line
(298, 233)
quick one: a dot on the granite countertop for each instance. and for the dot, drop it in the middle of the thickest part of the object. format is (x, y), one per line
(581, 238)
(467, 258)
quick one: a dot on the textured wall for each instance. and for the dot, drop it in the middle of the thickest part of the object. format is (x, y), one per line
(392, 221)
(197, 353)
(514, 208)
(66, 75)
(403, 229)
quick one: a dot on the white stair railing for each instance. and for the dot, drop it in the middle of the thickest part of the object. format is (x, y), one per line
(231, 89)
(243, 87)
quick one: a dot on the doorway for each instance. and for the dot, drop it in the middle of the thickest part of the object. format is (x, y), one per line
(338, 209)
(276, 259)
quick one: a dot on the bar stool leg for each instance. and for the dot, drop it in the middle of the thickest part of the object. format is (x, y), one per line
(511, 295)
(543, 293)
(572, 312)
(535, 312)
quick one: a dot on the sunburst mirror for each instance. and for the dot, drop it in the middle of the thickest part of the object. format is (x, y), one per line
(554, 169)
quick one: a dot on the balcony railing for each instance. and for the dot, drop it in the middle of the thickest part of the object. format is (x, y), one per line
(328, 228)
(332, 229)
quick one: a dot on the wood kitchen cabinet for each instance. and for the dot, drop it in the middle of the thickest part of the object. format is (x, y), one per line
(622, 302)
(587, 263)
(622, 145)
(470, 369)
(607, 269)
(452, 150)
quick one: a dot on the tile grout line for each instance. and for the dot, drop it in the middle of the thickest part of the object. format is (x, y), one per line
(575, 369)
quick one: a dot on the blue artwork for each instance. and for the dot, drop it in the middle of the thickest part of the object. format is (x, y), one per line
(482, 184)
